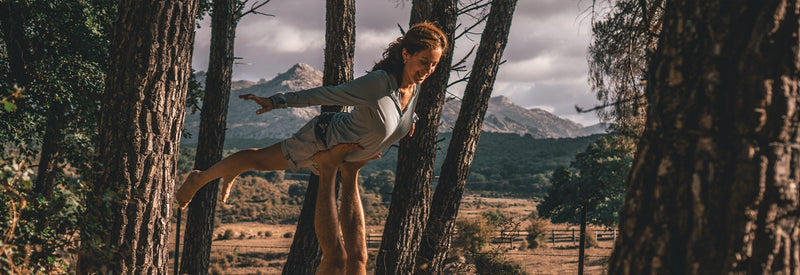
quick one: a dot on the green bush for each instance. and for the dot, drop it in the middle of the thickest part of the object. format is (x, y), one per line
(493, 262)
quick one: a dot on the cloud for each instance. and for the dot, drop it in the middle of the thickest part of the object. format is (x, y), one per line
(546, 53)
(273, 35)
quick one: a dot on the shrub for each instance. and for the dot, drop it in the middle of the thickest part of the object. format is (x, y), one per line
(537, 232)
(591, 240)
(228, 235)
(473, 234)
(494, 262)
(495, 216)
(288, 235)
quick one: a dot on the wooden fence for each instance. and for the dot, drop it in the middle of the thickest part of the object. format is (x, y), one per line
(554, 236)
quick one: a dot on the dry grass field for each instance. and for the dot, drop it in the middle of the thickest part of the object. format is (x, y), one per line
(255, 248)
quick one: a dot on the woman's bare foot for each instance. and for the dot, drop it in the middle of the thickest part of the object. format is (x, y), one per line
(188, 188)
(332, 158)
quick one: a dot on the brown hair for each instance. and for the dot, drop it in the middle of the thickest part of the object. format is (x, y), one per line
(420, 36)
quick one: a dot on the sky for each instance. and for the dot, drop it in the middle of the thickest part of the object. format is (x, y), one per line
(546, 64)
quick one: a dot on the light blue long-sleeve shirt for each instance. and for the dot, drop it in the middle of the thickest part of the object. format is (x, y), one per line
(375, 122)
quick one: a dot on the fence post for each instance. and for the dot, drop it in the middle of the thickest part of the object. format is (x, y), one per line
(573, 236)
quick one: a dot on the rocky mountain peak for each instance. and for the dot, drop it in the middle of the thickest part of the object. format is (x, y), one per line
(501, 100)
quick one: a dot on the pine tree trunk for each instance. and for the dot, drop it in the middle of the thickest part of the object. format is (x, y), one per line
(466, 133)
(211, 136)
(12, 19)
(412, 190)
(340, 41)
(52, 144)
(713, 187)
(126, 224)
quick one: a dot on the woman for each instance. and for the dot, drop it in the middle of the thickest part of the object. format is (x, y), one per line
(383, 113)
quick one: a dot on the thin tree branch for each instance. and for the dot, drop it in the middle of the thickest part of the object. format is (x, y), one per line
(253, 9)
(598, 107)
(471, 27)
(473, 6)
(464, 60)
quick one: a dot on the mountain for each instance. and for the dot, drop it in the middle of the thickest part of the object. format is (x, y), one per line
(503, 116)
(281, 123)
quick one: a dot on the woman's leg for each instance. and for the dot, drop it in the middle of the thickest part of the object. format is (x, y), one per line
(326, 221)
(269, 158)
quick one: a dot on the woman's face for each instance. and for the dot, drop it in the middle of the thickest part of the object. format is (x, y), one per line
(420, 65)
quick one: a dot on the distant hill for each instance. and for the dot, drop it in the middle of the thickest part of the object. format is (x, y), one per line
(503, 162)
(503, 116)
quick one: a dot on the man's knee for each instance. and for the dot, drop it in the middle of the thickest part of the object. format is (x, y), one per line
(358, 256)
(338, 259)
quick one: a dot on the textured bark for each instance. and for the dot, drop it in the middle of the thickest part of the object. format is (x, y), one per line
(340, 41)
(211, 136)
(467, 131)
(412, 190)
(12, 18)
(52, 144)
(126, 224)
(713, 187)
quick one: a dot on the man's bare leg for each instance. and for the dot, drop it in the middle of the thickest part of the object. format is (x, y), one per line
(326, 220)
(269, 158)
(352, 215)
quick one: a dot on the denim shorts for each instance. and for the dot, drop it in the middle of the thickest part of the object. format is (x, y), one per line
(299, 149)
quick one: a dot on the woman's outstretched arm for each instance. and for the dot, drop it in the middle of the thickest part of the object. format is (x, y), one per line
(365, 90)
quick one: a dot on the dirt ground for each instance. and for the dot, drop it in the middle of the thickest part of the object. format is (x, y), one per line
(253, 248)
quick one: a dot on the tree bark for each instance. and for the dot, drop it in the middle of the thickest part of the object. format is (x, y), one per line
(126, 224)
(340, 41)
(52, 144)
(12, 20)
(412, 190)
(211, 136)
(713, 187)
(467, 130)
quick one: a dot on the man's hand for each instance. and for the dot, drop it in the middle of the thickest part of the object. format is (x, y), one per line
(265, 102)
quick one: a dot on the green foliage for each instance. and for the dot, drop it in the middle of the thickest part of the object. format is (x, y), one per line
(381, 183)
(599, 184)
(618, 58)
(31, 242)
(494, 263)
(506, 163)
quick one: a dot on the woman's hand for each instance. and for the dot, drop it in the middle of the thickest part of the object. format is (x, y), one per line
(265, 102)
